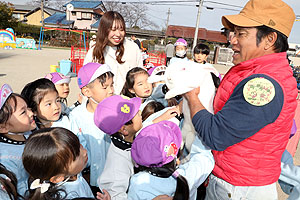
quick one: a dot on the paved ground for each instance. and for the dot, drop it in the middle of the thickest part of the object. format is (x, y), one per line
(20, 66)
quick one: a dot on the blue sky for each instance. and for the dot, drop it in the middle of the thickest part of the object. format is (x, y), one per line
(210, 19)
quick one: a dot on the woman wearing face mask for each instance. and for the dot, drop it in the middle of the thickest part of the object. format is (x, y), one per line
(114, 49)
(180, 50)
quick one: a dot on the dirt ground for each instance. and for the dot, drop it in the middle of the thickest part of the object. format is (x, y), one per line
(20, 66)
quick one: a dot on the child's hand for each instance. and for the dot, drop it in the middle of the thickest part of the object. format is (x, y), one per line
(163, 197)
(167, 115)
(104, 196)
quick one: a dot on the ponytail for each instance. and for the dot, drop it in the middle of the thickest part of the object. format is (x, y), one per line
(182, 189)
(9, 183)
(53, 192)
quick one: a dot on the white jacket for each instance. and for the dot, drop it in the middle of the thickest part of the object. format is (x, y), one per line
(117, 172)
(132, 58)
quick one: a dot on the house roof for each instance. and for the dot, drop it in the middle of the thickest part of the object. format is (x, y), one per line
(96, 24)
(84, 3)
(145, 32)
(23, 7)
(58, 18)
(49, 11)
(203, 34)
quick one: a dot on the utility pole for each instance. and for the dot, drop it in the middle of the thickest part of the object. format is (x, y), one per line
(42, 10)
(197, 23)
(168, 18)
(167, 23)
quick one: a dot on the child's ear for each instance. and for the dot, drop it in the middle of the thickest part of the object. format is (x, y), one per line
(123, 130)
(86, 91)
(57, 178)
(4, 128)
(131, 90)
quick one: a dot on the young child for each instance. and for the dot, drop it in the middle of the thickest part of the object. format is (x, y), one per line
(201, 52)
(180, 50)
(96, 83)
(16, 121)
(155, 151)
(119, 117)
(42, 97)
(54, 158)
(61, 83)
(137, 84)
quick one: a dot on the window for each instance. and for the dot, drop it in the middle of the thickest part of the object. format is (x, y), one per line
(17, 15)
(73, 13)
(85, 15)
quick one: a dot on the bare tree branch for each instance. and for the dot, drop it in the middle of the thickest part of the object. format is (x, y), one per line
(135, 15)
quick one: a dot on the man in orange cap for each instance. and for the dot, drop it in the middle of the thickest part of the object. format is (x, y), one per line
(254, 105)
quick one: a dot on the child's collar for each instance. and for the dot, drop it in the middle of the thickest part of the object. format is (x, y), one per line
(7, 140)
(119, 142)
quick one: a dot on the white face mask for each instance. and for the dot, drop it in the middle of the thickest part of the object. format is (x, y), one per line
(180, 53)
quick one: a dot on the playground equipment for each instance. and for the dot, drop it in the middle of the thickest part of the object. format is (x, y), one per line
(78, 50)
(7, 38)
(82, 35)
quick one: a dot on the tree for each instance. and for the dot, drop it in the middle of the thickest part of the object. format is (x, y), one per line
(135, 15)
(57, 4)
(6, 17)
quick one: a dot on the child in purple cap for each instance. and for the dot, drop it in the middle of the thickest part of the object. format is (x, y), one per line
(61, 83)
(120, 118)
(16, 121)
(96, 83)
(180, 50)
(155, 152)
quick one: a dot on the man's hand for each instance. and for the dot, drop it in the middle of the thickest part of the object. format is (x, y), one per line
(193, 94)
(193, 100)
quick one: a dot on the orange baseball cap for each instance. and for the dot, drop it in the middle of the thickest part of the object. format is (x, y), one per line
(272, 13)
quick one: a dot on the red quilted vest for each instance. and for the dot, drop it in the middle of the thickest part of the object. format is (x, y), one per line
(256, 160)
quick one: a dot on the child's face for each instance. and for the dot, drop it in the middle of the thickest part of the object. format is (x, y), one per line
(63, 90)
(180, 48)
(136, 124)
(50, 107)
(79, 164)
(99, 92)
(22, 119)
(200, 57)
(141, 87)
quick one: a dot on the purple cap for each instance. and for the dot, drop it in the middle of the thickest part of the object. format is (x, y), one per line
(180, 41)
(114, 112)
(89, 72)
(58, 78)
(5, 93)
(157, 144)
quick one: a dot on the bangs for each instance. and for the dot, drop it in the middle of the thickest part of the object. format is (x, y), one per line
(118, 24)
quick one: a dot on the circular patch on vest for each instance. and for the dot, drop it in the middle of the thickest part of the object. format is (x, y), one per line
(259, 91)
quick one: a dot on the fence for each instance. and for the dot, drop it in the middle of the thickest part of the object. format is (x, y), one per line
(77, 58)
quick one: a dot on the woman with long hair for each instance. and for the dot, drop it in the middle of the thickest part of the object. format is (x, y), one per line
(114, 49)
